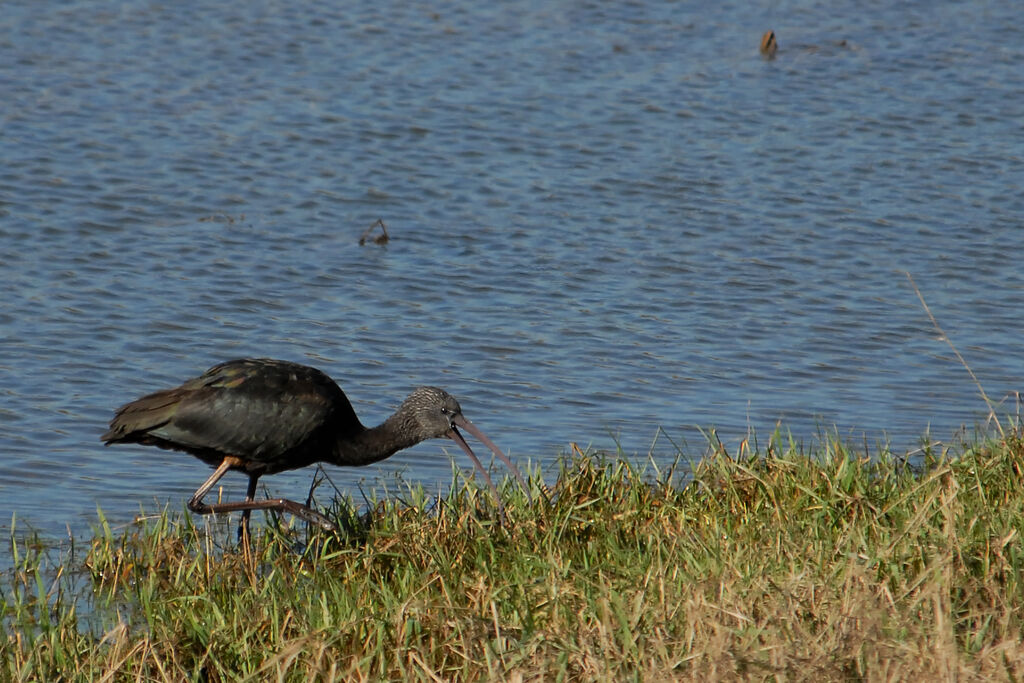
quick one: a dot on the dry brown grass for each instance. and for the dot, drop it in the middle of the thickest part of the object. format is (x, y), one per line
(782, 565)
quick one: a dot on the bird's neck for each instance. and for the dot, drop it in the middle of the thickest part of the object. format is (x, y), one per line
(373, 444)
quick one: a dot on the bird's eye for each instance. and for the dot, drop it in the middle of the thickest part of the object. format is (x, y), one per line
(445, 411)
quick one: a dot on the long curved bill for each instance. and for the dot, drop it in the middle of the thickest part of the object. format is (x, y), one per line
(460, 421)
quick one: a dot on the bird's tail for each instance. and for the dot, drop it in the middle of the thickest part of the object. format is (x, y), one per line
(134, 420)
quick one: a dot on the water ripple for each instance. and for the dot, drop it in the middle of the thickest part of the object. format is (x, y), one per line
(596, 232)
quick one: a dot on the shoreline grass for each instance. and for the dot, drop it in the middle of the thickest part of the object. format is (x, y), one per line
(773, 564)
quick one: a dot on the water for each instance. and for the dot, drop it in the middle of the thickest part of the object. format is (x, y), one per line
(606, 218)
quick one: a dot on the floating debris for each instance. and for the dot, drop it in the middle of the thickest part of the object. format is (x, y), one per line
(379, 239)
(769, 46)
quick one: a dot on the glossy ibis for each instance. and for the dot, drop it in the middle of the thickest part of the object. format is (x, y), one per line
(262, 416)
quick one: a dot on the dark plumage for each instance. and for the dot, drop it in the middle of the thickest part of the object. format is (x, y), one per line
(262, 416)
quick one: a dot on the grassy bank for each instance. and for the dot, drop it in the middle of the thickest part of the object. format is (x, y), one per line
(778, 564)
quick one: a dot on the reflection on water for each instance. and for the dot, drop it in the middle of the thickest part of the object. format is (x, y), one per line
(603, 220)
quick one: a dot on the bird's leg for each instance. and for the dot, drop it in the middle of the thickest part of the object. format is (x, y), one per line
(250, 495)
(197, 505)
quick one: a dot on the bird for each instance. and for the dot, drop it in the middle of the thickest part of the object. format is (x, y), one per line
(769, 46)
(261, 416)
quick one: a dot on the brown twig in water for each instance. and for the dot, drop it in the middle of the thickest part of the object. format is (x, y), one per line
(991, 411)
(379, 239)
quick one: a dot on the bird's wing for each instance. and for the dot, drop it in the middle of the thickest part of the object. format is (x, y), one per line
(255, 409)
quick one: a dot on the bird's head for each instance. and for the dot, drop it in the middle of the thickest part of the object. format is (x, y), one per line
(434, 412)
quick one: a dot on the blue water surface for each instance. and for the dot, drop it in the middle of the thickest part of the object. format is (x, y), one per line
(606, 218)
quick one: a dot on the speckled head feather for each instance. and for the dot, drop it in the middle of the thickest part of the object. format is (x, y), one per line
(432, 410)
